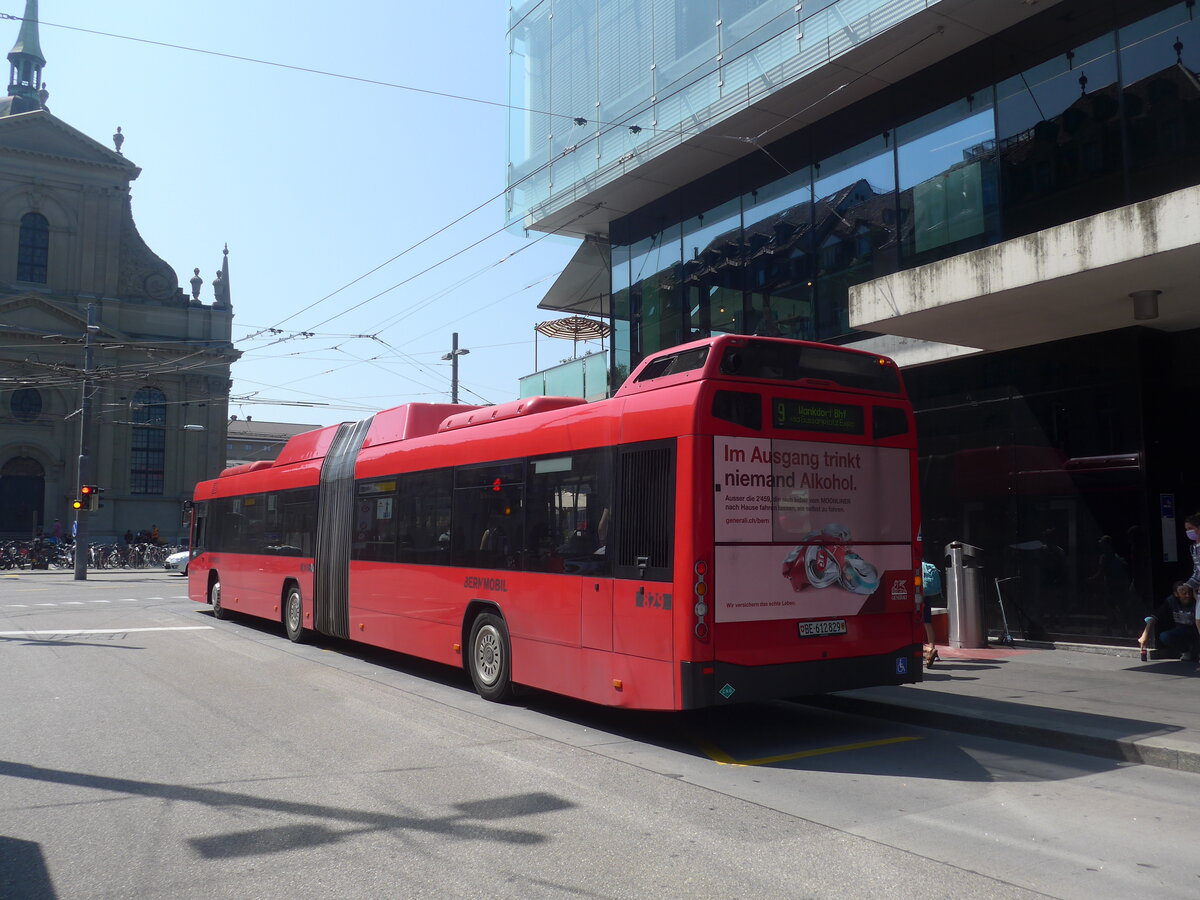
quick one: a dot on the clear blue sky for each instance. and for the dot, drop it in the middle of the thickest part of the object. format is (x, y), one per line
(313, 181)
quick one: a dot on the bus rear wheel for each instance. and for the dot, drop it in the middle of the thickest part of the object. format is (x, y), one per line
(293, 616)
(214, 597)
(490, 658)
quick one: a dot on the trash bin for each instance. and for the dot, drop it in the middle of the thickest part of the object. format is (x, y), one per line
(964, 595)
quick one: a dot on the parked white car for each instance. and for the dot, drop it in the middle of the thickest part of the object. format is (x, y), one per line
(178, 562)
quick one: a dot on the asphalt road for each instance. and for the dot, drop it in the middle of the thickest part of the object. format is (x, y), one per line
(149, 750)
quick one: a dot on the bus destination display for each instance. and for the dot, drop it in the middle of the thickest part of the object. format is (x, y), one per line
(809, 415)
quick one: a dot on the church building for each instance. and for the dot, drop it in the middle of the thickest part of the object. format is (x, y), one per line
(106, 363)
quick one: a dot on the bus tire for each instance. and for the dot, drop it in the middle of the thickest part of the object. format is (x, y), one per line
(293, 615)
(490, 658)
(214, 598)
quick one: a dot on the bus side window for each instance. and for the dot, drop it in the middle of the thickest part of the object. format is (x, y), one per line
(423, 517)
(297, 521)
(567, 502)
(199, 538)
(488, 515)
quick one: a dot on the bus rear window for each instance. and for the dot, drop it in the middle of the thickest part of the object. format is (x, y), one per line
(796, 362)
(674, 363)
(738, 407)
(889, 422)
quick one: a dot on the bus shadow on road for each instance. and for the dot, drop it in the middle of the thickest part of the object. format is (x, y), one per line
(793, 735)
(400, 663)
(782, 734)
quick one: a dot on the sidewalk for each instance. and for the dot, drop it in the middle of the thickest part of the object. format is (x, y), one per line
(1104, 703)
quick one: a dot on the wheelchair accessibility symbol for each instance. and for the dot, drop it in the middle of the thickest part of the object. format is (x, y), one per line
(901, 665)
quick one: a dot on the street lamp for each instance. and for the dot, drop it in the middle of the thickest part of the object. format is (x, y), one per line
(453, 356)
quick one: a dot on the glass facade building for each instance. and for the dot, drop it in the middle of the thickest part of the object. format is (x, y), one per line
(596, 85)
(1052, 458)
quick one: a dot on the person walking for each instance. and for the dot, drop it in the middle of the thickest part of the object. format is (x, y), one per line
(1191, 527)
(931, 589)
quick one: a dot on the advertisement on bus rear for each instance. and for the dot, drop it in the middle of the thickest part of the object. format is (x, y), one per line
(807, 529)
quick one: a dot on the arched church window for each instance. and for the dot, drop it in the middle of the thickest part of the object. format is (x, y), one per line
(148, 451)
(33, 249)
(25, 404)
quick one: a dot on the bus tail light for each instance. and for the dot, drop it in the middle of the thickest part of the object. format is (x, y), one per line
(700, 589)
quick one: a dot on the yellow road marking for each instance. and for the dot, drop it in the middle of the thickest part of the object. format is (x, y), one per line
(722, 758)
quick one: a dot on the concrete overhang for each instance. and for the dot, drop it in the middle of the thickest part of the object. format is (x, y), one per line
(1063, 282)
(582, 287)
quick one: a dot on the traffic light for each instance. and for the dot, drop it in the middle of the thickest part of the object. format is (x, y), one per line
(89, 498)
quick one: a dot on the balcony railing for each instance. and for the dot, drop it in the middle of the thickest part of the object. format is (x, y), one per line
(585, 377)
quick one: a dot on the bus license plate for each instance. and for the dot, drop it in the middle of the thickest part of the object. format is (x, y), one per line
(820, 629)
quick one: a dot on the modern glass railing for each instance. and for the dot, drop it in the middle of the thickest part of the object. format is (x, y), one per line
(585, 377)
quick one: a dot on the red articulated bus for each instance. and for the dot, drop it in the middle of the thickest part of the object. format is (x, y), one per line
(737, 523)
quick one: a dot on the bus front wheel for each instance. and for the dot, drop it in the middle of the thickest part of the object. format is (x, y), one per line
(214, 597)
(293, 616)
(490, 659)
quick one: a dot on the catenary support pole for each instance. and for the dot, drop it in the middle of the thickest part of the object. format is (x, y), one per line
(85, 458)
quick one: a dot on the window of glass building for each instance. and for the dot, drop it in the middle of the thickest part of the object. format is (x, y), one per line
(656, 292)
(573, 90)
(1059, 139)
(1159, 58)
(712, 272)
(626, 67)
(947, 167)
(779, 257)
(855, 197)
(685, 59)
(755, 37)
(622, 336)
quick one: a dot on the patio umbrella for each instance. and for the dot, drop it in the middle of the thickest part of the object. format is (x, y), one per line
(576, 328)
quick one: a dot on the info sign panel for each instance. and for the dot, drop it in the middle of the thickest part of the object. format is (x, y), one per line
(806, 529)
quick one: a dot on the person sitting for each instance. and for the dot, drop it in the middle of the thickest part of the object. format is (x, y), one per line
(1175, 624)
